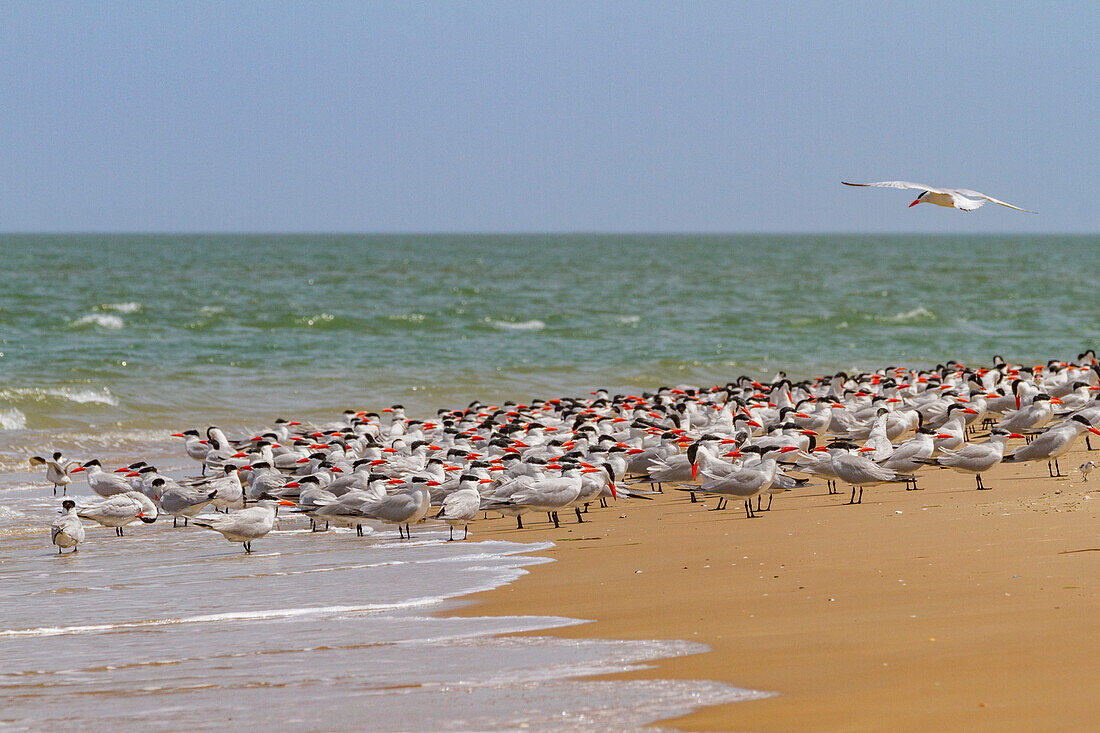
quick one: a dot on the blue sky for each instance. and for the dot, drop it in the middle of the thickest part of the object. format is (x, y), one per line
(555, 116)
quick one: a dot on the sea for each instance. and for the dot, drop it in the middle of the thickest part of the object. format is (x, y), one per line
(109, 343)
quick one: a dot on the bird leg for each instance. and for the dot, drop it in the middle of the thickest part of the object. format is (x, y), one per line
(860, 495)
(519, 522)
(358, 530)
(556, 524)
(408, 532)
(770, 497)
(580, 519)
(981, 486)
(692, 493)
(467, 534)
(1057, 469)
(452, 537)
(853, 499)
(748, 509)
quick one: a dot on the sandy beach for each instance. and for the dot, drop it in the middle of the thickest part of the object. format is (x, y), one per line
(945, 608)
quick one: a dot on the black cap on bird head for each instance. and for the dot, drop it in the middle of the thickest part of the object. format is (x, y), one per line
(68, 504)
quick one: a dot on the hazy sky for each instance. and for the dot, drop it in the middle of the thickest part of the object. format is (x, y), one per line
(555, 116)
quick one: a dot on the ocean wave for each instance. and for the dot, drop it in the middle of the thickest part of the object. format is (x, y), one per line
(629, 319)
(103, 320)
(12, 419)
(80, 395)
(533, 325)
(130, 307)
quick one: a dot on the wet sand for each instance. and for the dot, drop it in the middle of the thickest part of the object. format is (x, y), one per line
(946, 608)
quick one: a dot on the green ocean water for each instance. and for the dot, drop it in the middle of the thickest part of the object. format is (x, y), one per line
(119, 333)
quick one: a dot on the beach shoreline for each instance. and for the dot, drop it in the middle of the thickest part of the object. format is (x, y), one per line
(945, 608)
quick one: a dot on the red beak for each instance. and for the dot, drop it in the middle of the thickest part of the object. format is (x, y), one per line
(914, 203)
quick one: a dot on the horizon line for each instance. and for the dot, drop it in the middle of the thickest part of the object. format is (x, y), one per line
(521, 233)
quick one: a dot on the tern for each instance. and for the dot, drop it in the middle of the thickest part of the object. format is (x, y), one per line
(462, 505)
(66, 530)
(977, 458)
(953, 198)
(102, 483)
(121, 509)
(1052, 444)
(245, 525)
(57, 471)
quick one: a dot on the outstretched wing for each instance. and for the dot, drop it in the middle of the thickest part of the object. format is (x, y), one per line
(990, 199)
(900, 184)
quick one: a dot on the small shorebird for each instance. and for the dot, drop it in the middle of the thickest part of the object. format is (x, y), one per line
(953, 198)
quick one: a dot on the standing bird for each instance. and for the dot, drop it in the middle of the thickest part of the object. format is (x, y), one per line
(952, 198)
(462, 505)
(66, 530)
(1053, 443)
(121, 509)
(103, 483)
(57, 471)
(859, 472)
(977, 458)
(245, 525)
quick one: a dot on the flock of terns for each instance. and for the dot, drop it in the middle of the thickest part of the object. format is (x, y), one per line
(736, 441)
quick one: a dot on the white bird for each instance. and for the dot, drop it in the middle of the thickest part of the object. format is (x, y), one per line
(1052, 444)
(121, 509)
(245, 525)
(1085, 469)
(103, 483)
(57, 471)
(66, 530)
(401, 507)
(977, 458)
(854, 469)
(462, 505)
(952, 198)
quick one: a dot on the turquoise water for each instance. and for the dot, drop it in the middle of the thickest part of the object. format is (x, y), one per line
(144, 333)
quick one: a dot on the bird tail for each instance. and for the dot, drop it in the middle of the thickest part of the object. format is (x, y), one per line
(1010, 458)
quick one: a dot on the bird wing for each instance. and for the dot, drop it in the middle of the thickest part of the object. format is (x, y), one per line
(990, 199)
(904, 184)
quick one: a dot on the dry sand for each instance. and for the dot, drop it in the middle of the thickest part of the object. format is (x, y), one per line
(941, 609)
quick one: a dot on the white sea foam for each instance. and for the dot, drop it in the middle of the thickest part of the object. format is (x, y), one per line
(81, 395)
(12, 419)
(103, 320)
(629, 319)
(913, 315)
(533, 325)
(214, 618)
(121, 307)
